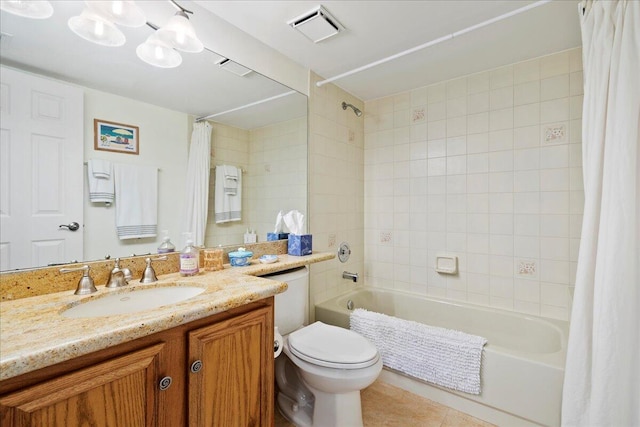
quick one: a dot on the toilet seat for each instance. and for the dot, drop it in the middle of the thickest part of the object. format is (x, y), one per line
(332, 347)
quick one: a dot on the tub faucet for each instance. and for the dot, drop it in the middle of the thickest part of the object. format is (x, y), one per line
(352, 276)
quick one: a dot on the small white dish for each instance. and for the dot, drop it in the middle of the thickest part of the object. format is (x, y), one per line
(268, 259)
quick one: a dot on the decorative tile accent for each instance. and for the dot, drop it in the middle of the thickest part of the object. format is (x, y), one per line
(385, 237)
(331, 241)
(418, 115)
(555, 133)
(526, 268)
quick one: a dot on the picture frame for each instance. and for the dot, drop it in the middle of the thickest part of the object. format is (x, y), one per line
(116, 137)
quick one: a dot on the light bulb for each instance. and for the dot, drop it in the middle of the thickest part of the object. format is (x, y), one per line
(99, 29)
(159, 53)
(116, 7)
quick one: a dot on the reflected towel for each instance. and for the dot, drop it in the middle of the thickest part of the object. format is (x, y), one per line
(136, 201)
(231, 174)
(228, 207)
(101, 183)
(441, 356)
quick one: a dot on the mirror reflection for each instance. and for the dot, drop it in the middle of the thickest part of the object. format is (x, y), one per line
(265, 140)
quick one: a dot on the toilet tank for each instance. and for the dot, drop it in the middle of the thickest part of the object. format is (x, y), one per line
(292, 306)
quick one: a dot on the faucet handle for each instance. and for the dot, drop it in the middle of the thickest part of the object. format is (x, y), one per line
(85, 285)
(149, 274)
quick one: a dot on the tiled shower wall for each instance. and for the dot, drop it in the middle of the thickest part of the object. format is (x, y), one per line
(487, 168)
(274, 159)
(336, 187)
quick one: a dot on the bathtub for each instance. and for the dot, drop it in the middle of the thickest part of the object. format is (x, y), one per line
(523, 361)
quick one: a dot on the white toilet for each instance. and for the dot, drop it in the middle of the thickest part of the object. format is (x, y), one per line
(323, 367)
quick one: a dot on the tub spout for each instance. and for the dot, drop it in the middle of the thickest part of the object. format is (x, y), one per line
(352, 276)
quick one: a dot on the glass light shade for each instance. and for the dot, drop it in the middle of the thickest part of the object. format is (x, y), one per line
(121, 12)
(157, 53)
(28, 9)
(92, 27)
(180, 34)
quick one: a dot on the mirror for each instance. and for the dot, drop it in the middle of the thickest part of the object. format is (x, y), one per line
(268, 140)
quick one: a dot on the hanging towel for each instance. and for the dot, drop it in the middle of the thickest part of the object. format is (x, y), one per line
(230, 179)
(441, 356)
(136, 200)
(228, 207)
(101, 186)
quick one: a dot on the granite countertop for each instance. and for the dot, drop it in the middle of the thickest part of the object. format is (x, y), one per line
(34, 335)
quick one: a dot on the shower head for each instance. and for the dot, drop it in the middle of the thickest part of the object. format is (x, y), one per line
(355, 109)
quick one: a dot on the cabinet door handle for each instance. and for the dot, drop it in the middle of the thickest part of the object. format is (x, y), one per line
(165, 383)
(196, 366)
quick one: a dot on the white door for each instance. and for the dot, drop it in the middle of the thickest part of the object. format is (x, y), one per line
(41, 171)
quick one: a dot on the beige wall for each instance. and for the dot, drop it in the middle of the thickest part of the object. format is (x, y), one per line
(336, 187)
(468, 167)
(163, 144)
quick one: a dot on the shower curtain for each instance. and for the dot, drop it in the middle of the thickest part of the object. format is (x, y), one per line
(602, 376)
(196, 203)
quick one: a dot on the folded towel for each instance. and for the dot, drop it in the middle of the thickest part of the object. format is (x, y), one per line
(228, 204)
(441, 356)
(101, 185)
(101, 168)
(136, 201)
(231, 174)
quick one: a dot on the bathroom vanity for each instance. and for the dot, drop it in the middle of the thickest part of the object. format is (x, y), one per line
(204, 361)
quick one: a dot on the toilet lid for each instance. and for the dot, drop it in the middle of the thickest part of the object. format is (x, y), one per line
(332, 346)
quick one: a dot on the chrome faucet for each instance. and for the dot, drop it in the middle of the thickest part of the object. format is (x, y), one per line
(149, 274)
(85, 285)
(352, 276)
(118, 276)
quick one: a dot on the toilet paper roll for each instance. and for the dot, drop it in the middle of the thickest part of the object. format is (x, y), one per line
(278, 342)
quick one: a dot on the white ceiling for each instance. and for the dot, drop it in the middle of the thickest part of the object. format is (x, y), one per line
(378, 29)
(197, 87)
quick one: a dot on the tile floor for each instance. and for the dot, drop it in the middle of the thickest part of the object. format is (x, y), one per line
(384, 405)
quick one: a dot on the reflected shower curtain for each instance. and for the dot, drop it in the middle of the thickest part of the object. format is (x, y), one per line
(196, 205)
(602, 376)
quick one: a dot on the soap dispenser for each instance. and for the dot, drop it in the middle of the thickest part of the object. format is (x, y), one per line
(189, 260)
(166, 246)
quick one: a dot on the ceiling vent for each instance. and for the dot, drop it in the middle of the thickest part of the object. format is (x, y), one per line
(317, 24)
(233, 67)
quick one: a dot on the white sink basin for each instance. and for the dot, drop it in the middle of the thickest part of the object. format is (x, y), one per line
(132, 302)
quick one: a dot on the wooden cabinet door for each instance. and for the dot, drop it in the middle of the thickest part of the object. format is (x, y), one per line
(234, 386)
(116, 393)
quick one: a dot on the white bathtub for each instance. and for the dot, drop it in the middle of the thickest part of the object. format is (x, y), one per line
(522, 365)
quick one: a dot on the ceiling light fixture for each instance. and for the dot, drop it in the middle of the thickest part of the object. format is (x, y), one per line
(121, 12)
(317, 24)
(158, 53)
(93, 27)
(28, 9)
(179, 32)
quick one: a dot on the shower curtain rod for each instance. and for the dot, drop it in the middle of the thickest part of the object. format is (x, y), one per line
(434, 42)
(262, 101)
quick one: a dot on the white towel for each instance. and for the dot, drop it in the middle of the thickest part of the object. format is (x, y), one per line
(101, 186)
(441, 356)
(231, 174)
(228, 207)
(136, 201)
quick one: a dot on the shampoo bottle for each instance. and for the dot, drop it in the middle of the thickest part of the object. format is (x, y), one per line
(189, 260)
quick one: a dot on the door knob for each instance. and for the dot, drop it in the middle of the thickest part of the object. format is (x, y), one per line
(71, 227)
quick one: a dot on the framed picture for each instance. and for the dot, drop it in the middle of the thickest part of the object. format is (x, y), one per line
(117, 137)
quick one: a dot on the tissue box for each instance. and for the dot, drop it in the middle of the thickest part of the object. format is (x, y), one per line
(299, 245)
(276, 236)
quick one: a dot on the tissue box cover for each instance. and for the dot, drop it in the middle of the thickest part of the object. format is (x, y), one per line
(276, 236)
(299, 245)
